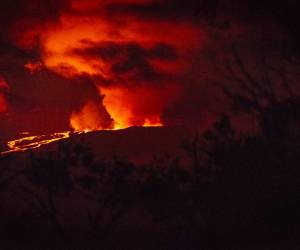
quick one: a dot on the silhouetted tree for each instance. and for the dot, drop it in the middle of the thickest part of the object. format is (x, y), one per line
(113, 186)
(49, 175)
(256, 175)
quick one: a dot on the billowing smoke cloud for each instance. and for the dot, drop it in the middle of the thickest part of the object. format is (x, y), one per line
(134, 62)
(104, 64)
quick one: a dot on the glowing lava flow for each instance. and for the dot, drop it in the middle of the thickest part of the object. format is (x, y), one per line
(32, 142)
(36, 141)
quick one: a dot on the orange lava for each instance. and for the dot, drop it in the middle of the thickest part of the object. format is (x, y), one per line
(31, 142)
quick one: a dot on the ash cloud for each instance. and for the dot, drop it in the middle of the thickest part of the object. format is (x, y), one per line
(131, 59)
(160, 48)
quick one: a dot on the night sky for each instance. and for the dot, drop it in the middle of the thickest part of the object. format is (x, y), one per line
(113, 64)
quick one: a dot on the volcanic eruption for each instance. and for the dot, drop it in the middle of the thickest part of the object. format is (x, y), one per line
(107, 65)
(133, 63)
(149, 124)
(136, 64)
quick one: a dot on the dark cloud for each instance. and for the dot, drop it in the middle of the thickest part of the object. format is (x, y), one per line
(155, 10)
(130, 58)
(112, 50)
(29, 12)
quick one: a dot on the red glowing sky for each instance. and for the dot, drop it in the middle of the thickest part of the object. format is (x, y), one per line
(99, 64)
(133, 63)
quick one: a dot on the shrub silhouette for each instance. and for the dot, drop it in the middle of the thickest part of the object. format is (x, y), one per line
(257, 178)
(244, 187)
(113, 186)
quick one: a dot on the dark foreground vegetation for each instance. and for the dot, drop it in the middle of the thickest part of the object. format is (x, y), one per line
(240, 192)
